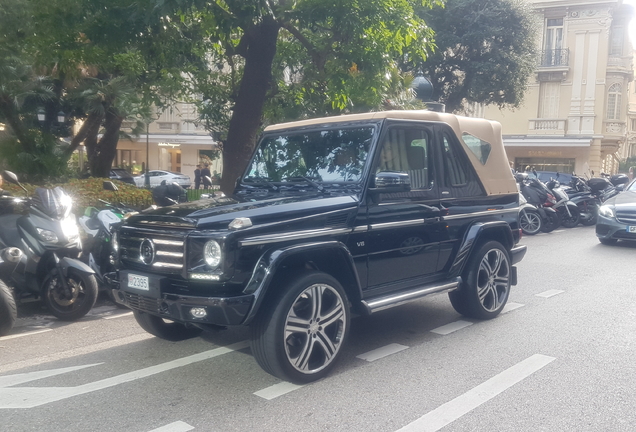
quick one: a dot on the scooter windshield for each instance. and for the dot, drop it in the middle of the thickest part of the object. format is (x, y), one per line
(53, 202)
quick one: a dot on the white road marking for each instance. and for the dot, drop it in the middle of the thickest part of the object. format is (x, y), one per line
(125, 314)
(556, 231)
(12, 380)
(452, 327)
(549, 293)
(39, 361)
(382, 352)
(13, 336)
(276, 390)
(30, 397)
(174, 427)
(510, 306)
(451, 411)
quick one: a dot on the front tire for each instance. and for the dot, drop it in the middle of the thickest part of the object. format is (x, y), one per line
(74, 303)
(551, 222)
(8, 309)
(171, 331)
(530, 222)
(486, 283)
(299, 333)
(571, 221)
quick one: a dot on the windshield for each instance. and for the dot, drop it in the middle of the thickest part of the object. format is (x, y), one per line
(334, 155)
(632, 187)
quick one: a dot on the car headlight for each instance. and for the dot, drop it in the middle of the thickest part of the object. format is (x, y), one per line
(114, 241)
(606, 211)
(47, 235)
(212, 254)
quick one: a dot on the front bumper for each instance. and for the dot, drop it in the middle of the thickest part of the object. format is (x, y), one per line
(610, 228)
(222, 311)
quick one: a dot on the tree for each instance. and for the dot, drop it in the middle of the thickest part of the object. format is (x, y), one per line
(296, 58)
(486, 52)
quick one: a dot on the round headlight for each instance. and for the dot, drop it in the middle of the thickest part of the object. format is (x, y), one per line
(212, 254)
(115, 241)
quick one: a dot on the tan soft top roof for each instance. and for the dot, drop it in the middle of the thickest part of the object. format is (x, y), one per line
(495, 174)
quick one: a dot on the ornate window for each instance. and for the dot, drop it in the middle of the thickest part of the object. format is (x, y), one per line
(614, 102)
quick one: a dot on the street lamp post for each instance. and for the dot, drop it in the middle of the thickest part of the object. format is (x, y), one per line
(147, 178)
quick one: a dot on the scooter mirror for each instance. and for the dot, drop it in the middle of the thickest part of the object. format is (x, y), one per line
(10, 177)
(108, 185)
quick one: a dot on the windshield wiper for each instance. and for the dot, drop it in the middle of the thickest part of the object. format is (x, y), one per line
(306, 179)
(260, 181)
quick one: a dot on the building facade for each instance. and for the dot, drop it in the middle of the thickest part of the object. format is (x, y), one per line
(173, 143)
(575, 114)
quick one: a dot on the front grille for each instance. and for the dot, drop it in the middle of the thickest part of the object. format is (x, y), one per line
(145, 304)
(628, 218)
(168, 252)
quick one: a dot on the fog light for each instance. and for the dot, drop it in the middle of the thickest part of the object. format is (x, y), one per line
(198, 312)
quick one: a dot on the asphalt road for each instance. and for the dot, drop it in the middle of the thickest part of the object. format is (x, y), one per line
(561, 358)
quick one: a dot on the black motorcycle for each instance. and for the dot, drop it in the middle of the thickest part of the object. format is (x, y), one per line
(43, 238)
(587, 202)
(568, 210)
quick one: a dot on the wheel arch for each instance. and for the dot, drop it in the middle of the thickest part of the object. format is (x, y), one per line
(275, 265)
(477, 234)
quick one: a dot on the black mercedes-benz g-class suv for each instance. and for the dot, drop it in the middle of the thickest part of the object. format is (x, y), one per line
(333, 216)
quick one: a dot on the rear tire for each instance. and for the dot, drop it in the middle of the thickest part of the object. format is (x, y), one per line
(571, 221)
(74, 304)
(551, 222)
(171, 331)
(486, 283)
(8, 309)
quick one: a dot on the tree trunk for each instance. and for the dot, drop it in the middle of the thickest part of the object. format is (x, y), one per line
(101, 153)
(248, 110)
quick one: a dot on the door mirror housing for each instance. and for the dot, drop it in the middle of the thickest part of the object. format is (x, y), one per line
(391, 181)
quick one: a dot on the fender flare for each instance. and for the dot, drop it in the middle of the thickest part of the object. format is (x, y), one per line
(266, 267)
(471, 238)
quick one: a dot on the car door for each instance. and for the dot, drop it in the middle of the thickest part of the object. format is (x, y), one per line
(404, 228)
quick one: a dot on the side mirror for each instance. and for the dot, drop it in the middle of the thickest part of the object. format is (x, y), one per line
(392, 181)
(109, 185)
(10, 177)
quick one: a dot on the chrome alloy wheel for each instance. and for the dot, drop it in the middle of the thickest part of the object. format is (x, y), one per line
(314, 328)
(493, 280)
(530, 222)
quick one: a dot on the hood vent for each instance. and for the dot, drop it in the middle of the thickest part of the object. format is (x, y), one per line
(337, 220)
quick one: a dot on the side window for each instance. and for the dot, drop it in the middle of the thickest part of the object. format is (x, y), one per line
(454, 169)
(479, 147)
(408, 150)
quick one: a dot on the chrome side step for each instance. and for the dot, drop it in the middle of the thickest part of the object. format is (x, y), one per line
(391, 300)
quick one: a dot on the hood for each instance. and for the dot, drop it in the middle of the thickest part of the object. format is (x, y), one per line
(217, 213)
(625, 201)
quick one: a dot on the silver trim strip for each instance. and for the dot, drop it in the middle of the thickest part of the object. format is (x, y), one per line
(482, 213)
(397, 224)
(167, 242)
(361, 228)
(400, 299)
(170, 254)
(275, 238)
(167, 265)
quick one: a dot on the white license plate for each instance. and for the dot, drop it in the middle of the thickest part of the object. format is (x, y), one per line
(139, 282)
(631, 229)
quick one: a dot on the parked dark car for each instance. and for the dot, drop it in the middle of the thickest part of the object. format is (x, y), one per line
(355, 213)
(617, 217)
(122, 175)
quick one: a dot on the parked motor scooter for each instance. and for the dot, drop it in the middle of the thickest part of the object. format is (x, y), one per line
(537, 194)
(587, 202)
(569, 211)
(98, 226)
(8, 309)
(47, 241)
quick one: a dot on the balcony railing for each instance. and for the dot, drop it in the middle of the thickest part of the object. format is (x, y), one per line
(555, 57)
(547, 126)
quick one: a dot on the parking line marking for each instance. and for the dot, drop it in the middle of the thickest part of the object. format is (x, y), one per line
(510, 306)
(276, 390)
(125, 314)
(461, 405)
(178, 426)
(25, 334)
(452, 327)
(382, 352)
(549, 293)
